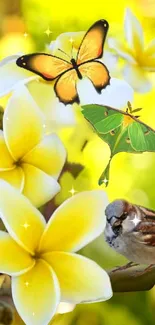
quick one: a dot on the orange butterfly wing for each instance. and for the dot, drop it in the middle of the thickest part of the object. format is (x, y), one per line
(65, 87)
(97, 72)
(91, 47)
(47, 66)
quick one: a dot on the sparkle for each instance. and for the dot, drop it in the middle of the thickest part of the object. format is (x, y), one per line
(48, 32)
(44, 126)
(27, 284)
(25, 225)
(33, 314)
(25, 34)
(136, 220)
(71, 40)
(105, 181)
(72, 191)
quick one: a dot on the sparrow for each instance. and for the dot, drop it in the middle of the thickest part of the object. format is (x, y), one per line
(130, 231)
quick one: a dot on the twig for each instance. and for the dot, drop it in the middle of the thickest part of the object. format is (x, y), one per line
(136, 278)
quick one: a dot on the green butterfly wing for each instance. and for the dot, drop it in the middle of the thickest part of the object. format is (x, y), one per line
(131, 137)
(107, 122)
(142, 137)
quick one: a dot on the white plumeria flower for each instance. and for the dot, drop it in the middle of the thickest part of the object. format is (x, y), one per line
(139, 60)
(116, 95)
(41, 257)
(65, 307)
(11, 76)
(29, 156)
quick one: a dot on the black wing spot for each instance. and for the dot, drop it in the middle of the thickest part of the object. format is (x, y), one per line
(112, 132)
(147, 132)
(128, 140)
(106, 113)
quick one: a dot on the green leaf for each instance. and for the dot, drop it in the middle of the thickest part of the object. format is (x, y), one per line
(122, 131)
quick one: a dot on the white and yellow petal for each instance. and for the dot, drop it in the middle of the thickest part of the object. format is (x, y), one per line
(61, 115)
(36, 294)
(116, 95)
(14, 177)
(6, 160)
(137, 78)
(133, 32)
(80, 279)
(23, 123)
(49, 155)
(14, 260)
(121, 49)
(22, 220)
(76, 222)
(11, 75)
(150, 50)
(149, 63)
(39, 187)
(57, 115)
(68, 42)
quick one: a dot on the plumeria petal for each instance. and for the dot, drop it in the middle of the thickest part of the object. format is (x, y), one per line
(121, 49)
(6, 160)
(68, 42)
(110, 60)
(61, 115)
(14, 260)
(65, 307)
(11, 75)
(133, 32)
(80, 279)
(57, 114)
(76, 222)
(39, 187)
(49, 155)
(150, 50)
(14, 177)
(116, 95)
(23, 123)
(137, 78)
(23, 222)
(149, 63)
(36, 294)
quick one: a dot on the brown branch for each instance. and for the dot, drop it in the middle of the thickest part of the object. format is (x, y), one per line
(136, 278)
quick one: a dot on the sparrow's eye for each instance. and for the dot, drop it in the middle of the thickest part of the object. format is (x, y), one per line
(116, 228)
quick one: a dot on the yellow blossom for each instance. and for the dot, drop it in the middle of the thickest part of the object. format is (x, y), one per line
(139, 59)
(30, 160)
(45, 269)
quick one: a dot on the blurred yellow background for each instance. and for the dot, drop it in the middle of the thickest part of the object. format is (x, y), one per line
(23, 26)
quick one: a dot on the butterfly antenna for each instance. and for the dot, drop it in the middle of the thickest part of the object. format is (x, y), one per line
(64, 53)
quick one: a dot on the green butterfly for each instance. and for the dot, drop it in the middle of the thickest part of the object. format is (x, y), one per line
(122, 131)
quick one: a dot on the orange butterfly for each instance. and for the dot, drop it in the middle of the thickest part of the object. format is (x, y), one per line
(50, 67)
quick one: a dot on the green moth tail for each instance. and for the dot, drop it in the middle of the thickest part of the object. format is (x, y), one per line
(104, 178)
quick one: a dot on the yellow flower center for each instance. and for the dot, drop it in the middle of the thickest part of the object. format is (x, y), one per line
(18, 163)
